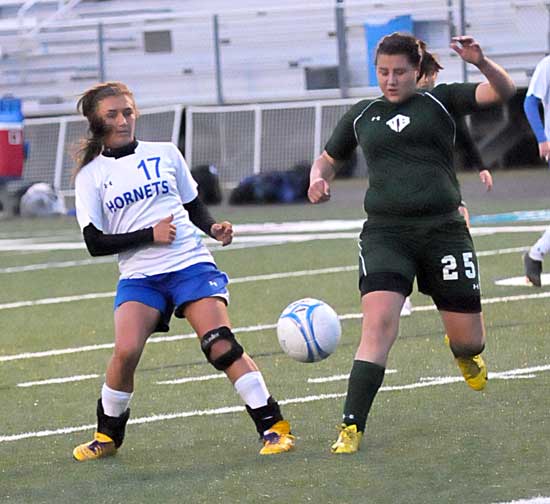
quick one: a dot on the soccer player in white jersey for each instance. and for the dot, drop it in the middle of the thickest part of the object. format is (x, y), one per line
(138, 200)
(537, 93)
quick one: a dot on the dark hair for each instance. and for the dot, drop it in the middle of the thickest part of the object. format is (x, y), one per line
(400, 43)
(429, 64)
(90, 147)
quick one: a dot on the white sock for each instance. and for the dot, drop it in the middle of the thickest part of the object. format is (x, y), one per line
(252, 389)
(539, 249)
(115, 402)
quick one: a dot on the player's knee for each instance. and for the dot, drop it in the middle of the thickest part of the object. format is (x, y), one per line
(467, 349)
(127, 356)
(382, 326)
(221, 348)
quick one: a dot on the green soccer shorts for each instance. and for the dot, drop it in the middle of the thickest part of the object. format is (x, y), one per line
(438, 251)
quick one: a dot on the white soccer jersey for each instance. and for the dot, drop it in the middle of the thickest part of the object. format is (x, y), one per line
(539, 86)
(135, 192)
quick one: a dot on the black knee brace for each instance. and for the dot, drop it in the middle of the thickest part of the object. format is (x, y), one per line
(114, 427)
(226, 359)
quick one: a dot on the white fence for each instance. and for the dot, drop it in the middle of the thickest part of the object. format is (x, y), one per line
(248, 139)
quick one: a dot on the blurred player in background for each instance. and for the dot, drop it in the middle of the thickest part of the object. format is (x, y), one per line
(138, 200)
(429, 70)
(538, 93)
(414, 228)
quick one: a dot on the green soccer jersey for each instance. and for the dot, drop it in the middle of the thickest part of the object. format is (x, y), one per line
(409, 148)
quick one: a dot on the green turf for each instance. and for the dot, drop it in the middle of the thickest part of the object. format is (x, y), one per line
(437, 444)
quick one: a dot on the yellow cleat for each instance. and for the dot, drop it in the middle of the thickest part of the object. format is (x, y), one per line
(101, 446)
(278, 439)
(473, 369)
(348, 440)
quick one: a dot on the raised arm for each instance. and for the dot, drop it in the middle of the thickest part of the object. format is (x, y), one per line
(499, 86)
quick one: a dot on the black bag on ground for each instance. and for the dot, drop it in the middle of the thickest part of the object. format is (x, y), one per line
(273, 187)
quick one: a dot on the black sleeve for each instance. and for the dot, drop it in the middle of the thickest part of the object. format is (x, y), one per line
(100, 244)
(199, 215)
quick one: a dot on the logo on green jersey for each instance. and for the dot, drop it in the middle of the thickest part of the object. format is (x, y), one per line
(398, 123)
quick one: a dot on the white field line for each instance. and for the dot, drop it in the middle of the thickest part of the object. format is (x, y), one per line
(323, 226)
(57, 264)
(214, 247)
(111, 259)
(239, 241)
(57, 300)
(103, 346)
(191, 379)
(485, 230)
(292, 231)
(534, 500)
(441, 380)
(66, 379)
(259, 327)
(340, 377)
(19, 246)
(271, 276)
(514, 250)
(255, 278)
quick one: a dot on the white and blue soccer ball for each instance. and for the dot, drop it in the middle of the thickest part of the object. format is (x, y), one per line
(309, 330)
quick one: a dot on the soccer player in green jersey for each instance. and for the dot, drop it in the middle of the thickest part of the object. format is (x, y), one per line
(414, 228)
(429, 70)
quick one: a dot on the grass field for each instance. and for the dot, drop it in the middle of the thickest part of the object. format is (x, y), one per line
(430, 439)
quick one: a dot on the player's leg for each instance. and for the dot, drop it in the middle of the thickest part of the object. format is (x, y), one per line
(466, 338)
(449, 273)
(210, 320)
(386, 274)
(134, 322)
(532, 260)
(380, 327)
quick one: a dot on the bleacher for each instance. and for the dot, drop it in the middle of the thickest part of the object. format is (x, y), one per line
(52, 50)
(164, 50)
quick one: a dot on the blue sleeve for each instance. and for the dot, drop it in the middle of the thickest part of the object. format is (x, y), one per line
(531, 108)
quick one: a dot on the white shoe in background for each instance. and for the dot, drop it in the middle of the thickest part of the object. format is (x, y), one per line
(407, 307)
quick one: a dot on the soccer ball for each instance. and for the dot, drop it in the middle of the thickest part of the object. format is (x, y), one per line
(308, 330)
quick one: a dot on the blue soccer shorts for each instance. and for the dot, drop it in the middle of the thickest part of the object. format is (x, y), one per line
(170, 292)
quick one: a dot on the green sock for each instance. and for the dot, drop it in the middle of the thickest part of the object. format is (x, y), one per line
(364, 381)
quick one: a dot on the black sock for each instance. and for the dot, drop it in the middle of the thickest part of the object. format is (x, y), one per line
(364, 381)
(266, 416)
(114, 427)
